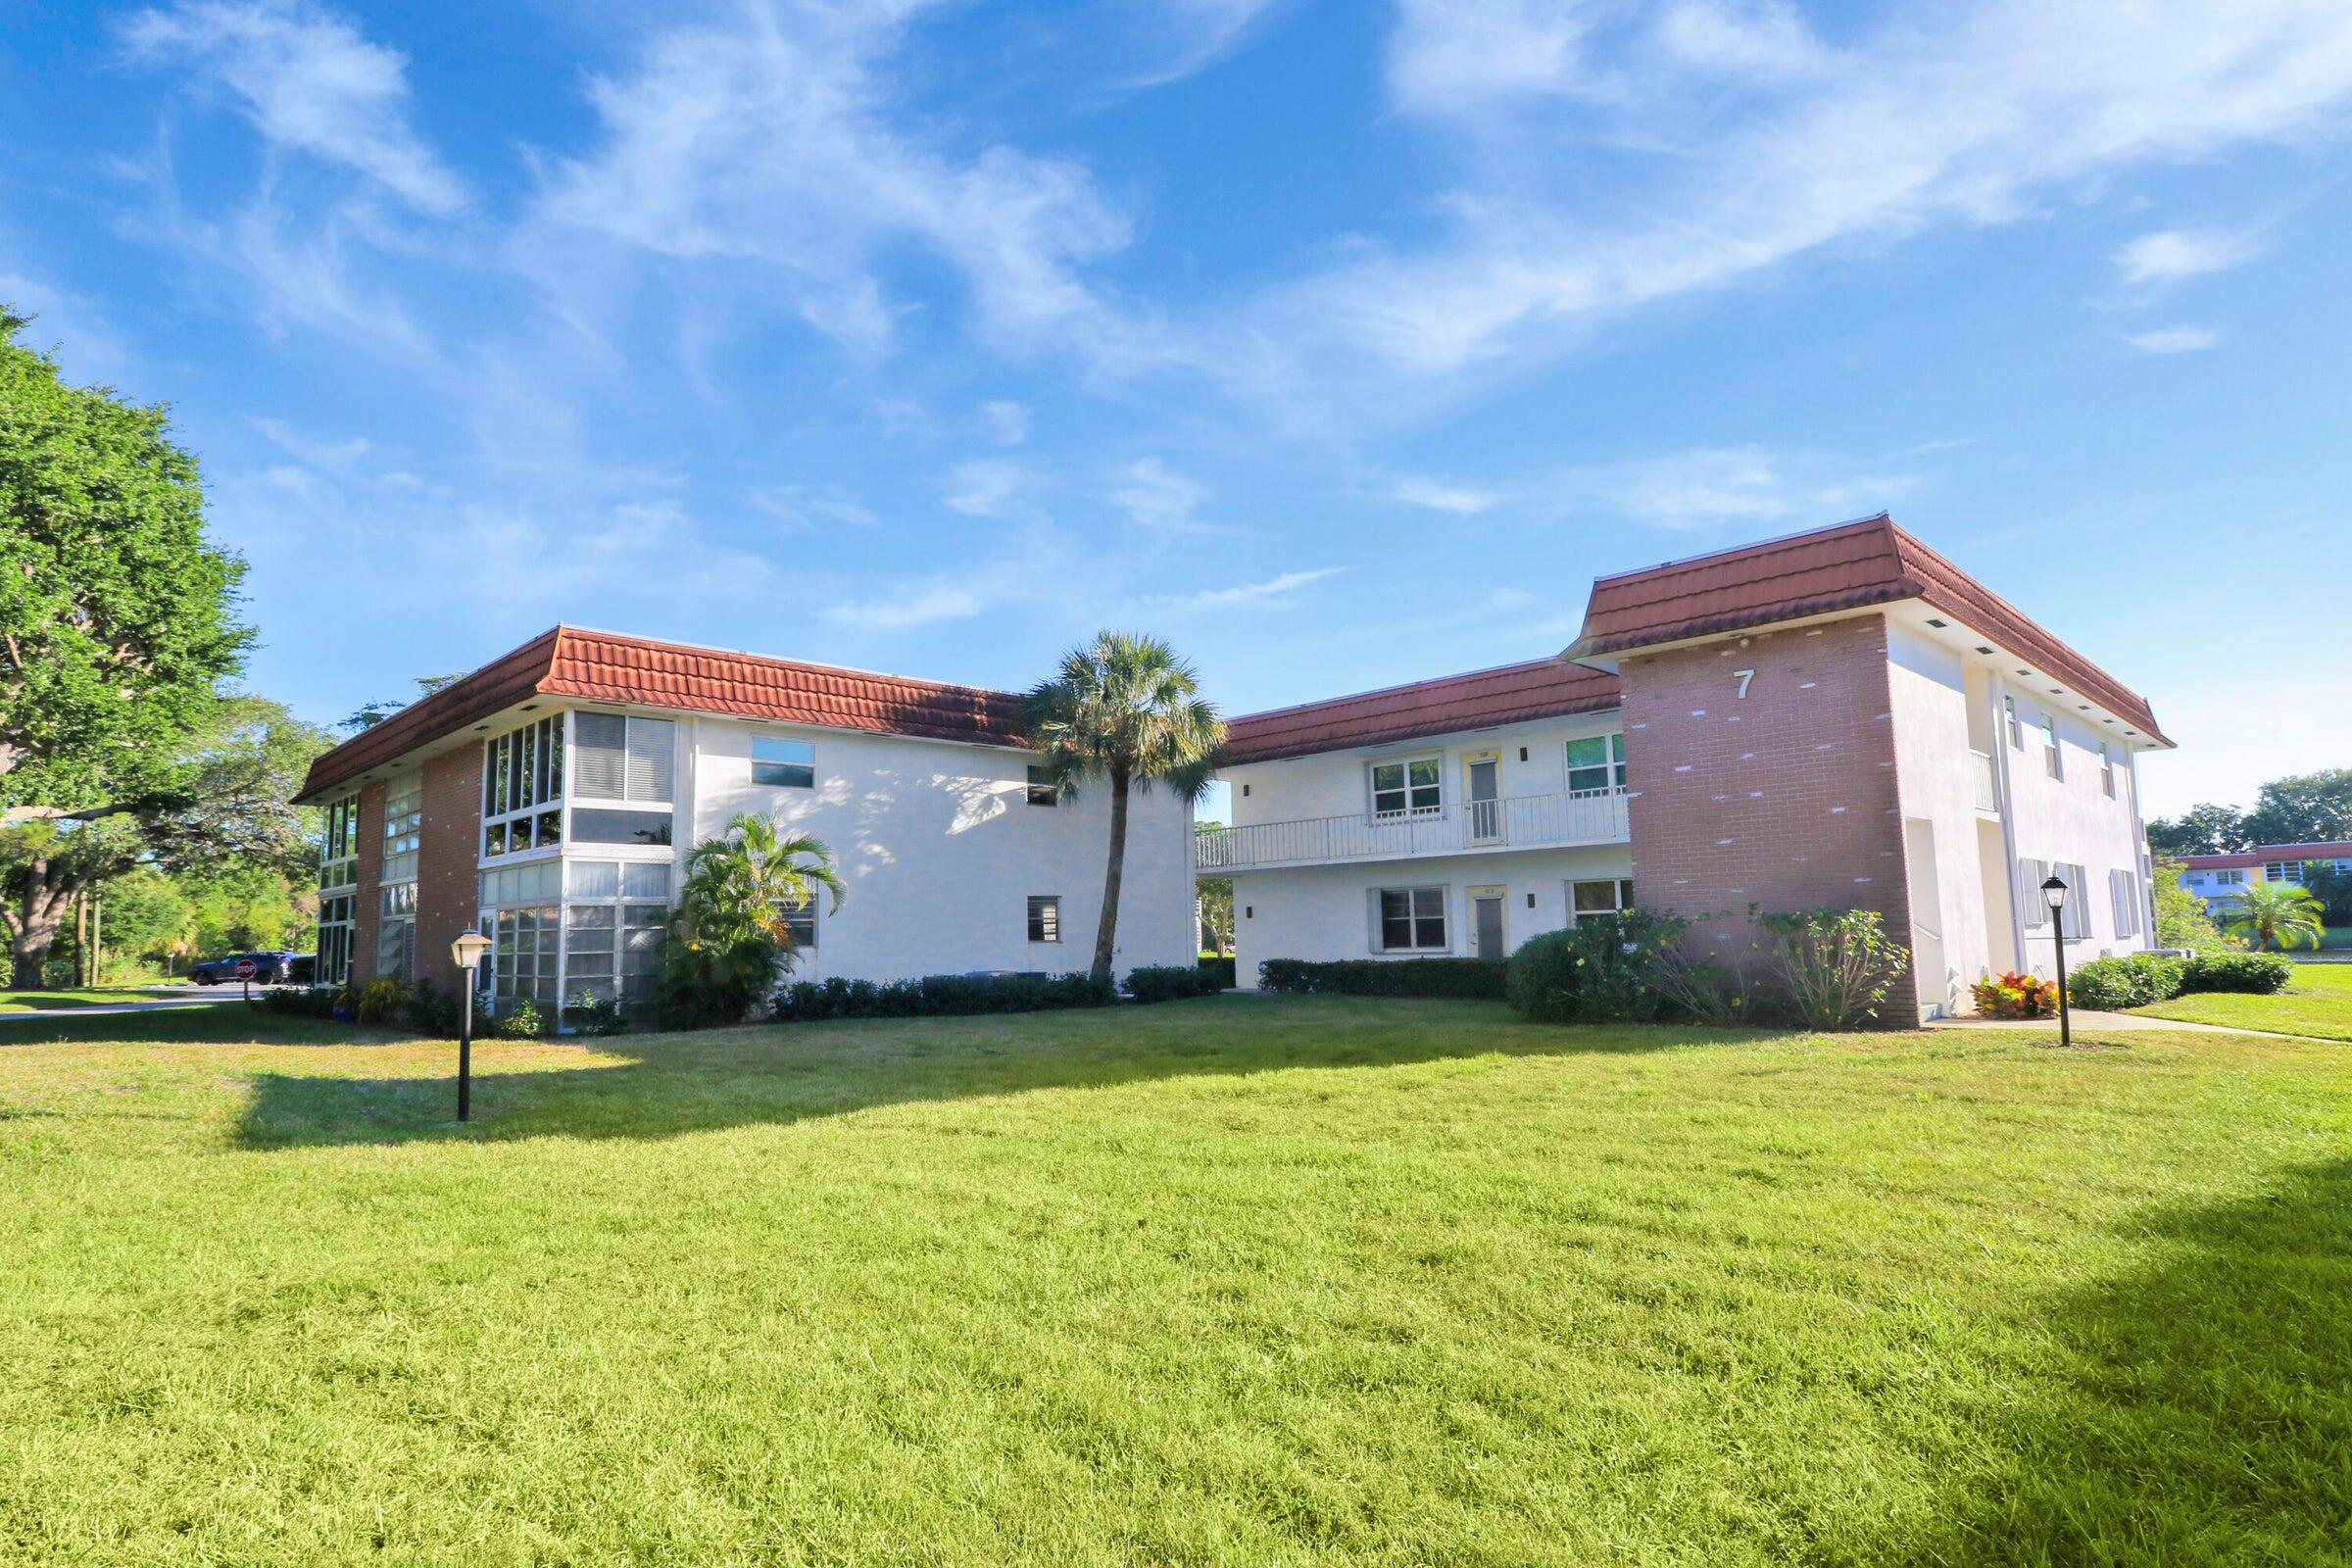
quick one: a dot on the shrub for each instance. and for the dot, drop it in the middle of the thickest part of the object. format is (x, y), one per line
(1220, 967)
(2127, 980)
(1835, 966)
(432, 1011)
(1598, 971)
(2261, 973)
(2015, 995)
(291, 1003)
(1481, 979)
(381, 1000)
(522, 1021)
(940, 996)
(1171, 983)
(591, 1014)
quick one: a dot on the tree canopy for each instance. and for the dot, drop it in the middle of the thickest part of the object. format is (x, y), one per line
(115, 611)
(2300, 809)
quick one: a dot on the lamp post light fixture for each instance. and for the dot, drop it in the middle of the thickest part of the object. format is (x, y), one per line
(2053, 894)
(467, 949)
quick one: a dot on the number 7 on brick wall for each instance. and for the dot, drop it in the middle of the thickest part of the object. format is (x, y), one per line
(1743, 676)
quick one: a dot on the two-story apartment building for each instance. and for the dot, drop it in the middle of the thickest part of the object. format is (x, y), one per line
(2218, 879)
(1840, 718)
(550, 798)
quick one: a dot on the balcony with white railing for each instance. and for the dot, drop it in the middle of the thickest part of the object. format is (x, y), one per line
(1515, 822)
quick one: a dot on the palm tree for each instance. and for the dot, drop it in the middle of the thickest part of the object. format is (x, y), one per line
(755, 876)
(2277, 915)
(1125, 709)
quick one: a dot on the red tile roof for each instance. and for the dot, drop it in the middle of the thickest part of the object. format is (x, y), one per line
(1847, 566)
(605, 667)
(2325, 849)
(1541, 689)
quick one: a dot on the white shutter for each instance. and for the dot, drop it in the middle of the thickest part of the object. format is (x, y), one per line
(599, 757)
(1372, 919)
(651, 756)
(2031, 875)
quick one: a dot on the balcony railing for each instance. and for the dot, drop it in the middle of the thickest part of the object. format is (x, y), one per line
(1518, 821)
(1988, 789)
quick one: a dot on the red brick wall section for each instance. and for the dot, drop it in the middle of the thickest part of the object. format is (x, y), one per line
(367, 907)
(447, 893)
(1784, 799)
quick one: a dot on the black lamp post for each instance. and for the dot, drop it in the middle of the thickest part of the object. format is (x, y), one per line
(467, 949)
(2053, 894)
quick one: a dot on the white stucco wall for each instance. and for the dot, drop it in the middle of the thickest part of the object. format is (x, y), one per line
(1928, 690)
(2072, 818)
(941, 850)
(1334, 783)
(1322, 912)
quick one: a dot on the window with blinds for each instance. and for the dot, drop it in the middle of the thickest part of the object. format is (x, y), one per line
(617, 758)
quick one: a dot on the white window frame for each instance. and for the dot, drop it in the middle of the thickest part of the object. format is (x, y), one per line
(2051, 762)
(580, 801)
(339, 844)
(338, 929)
(2107, 769)
(781, 767)
(533, 791)
(2283, 871)
(1611, 769)
(1043, 925)
(1414, 915)
(1621, 890)
(2234, 876)
(638, 909)
(2017, 725)
(1435, 761)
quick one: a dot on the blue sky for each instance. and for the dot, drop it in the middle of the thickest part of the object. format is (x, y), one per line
(1343, 344)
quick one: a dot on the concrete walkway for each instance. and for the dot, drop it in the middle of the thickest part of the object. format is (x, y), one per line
(2087, 1021)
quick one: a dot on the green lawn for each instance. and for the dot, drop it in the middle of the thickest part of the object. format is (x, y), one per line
(99, 997)
(2317, 1002)
(1307, 1281)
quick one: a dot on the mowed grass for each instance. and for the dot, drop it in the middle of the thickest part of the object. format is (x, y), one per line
(2317, 1002)
(1312, 1281)
(86, 997)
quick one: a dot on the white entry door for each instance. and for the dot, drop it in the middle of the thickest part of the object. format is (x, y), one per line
(1487, 936)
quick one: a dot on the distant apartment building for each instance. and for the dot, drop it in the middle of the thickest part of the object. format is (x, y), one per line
(549, 799)
(1839, 718)
(2218, 879)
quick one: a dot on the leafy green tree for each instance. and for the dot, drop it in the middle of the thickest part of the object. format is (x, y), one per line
(114, 610)
(1216, 910)
(222, 800)
(2200, 830)
(371, 714)
(148, 918)
(2275, 914)
(732, 930)
(2181, 919)
(2303, 808)
(1125, 711)
(2332, 888)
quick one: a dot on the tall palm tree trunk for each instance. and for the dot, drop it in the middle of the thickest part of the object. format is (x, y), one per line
(1106, 929)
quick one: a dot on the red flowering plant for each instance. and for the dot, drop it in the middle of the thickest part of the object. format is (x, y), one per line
(2016, 996)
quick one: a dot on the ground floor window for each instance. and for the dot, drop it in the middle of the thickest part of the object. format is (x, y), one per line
(1045, 917)
(1601, 899)
(1409, 920)
(396, 933)
(334, 940)
(526, 949)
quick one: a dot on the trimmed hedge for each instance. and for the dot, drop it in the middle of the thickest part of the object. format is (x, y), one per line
(1596, 972)
(937, 996)
(1171, 983)
(2261, 973)
(2127, 980)
(1480, 979)
(1221, 968)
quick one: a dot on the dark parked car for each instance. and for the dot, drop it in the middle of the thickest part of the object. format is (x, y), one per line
(268, 969)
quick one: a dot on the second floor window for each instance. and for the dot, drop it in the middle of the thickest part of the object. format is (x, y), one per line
(1596, 764)
(2017, 730)
(783, 764)
(522, 788)
(339, 845)
(1398, 788)
(2050, 747)
(2107, 770)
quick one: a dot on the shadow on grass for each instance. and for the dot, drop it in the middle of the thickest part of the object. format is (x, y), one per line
(685, 1082)
(2208, 1409)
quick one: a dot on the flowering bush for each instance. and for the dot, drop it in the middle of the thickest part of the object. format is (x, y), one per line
(2016, 996)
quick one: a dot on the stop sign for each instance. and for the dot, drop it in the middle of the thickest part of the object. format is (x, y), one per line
(245, 968)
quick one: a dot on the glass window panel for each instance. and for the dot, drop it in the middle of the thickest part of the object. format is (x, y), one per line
(551, 828)
(1045, 919)
(644, 916)
(1423, 772)
(597, 826)
(650, 759)
(784, 765)
(494, 839)
(599, 761)
(641, 880)
(592, 879)
(589, 918)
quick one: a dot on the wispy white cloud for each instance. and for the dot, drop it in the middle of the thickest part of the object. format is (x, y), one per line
(804, 507)
(777, 139)
(1460, 501)
(1157, 497)
(1180, 37)
(989, 487)
(2173, 339)
(1008, 421)
(1778, 148)
(2170, 255)
(900, 609)
(1706, 487)
(309, 81)
(1273, 590)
